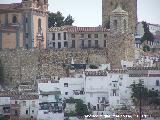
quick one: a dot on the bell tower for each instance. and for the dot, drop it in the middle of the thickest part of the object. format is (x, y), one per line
(119, 21)
(121, 43)
(36, 25)
(129, 6)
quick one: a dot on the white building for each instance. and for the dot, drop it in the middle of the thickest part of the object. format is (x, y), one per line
(50, 101)
(58, 37)
(25, 106)
(152, 27)
(77, 37)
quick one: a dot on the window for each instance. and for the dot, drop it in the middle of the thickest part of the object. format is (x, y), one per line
(89, 36)
(115, 24)
(66, 44)
(98, 99)
(89, 44)
(64, 35)
(114, 92)
(24, 103)
(157, 83)
(82, 35)
(32, 111)
(26, 20)
(14, 19)
(33, 103)
(104, 43)
(54, 45)
(105, 35)
(16, 102)
(39, 25)
(26, 35)
(66, 93)
(65, 84)
(125, 25)
(59, 36)
(95, 35)
(96, 43)
(72, 35)
(26, 112)
(82, 43)
(53, 36)
(73, 43)
(59, 44)
(16, 112)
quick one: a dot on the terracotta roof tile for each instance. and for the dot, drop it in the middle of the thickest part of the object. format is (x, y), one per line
(10, 6)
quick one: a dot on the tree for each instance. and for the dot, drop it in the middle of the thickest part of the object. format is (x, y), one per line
(146, 48)
(69, 20)
(58, 20)
(147, 96)
(93, 66)
(81, 108)
(147, 34)
(55, 19)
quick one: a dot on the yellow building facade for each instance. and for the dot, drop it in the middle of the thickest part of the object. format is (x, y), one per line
(24, 25)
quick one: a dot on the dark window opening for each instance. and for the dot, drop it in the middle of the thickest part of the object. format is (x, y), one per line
(26, 112)
(96, 43)
(59, 44)
(53, 36)
(89, 44)
(82, 43)
(66, 44)
(65, 84)
(59, 36)
(73, 43)
(95, 35)
(54, 46)
(14, 19)
(64, 35)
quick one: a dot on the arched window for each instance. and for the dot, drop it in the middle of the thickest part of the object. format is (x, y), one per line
(125, 25)
(14, 19)
(115, 24)
(39, 24)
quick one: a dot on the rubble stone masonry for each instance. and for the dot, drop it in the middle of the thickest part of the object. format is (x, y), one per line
(21, 65)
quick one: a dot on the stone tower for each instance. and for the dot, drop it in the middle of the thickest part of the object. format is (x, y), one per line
(128, 5)
(37, 12)
(121, 43)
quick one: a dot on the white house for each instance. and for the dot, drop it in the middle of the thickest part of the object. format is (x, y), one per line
(50, 102)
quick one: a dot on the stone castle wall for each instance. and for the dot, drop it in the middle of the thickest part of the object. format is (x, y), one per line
(22, 65)
(120, 47)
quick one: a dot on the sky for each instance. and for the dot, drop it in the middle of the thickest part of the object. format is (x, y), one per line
(89, 12)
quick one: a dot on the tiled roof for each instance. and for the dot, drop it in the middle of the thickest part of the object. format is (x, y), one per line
(16, 95)
(87, 29)
(73, 29)
(21, 118)
(143, 68)
(24, 97)
(10, 6)
(96, 73)
(117, 71)
(56, 29)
